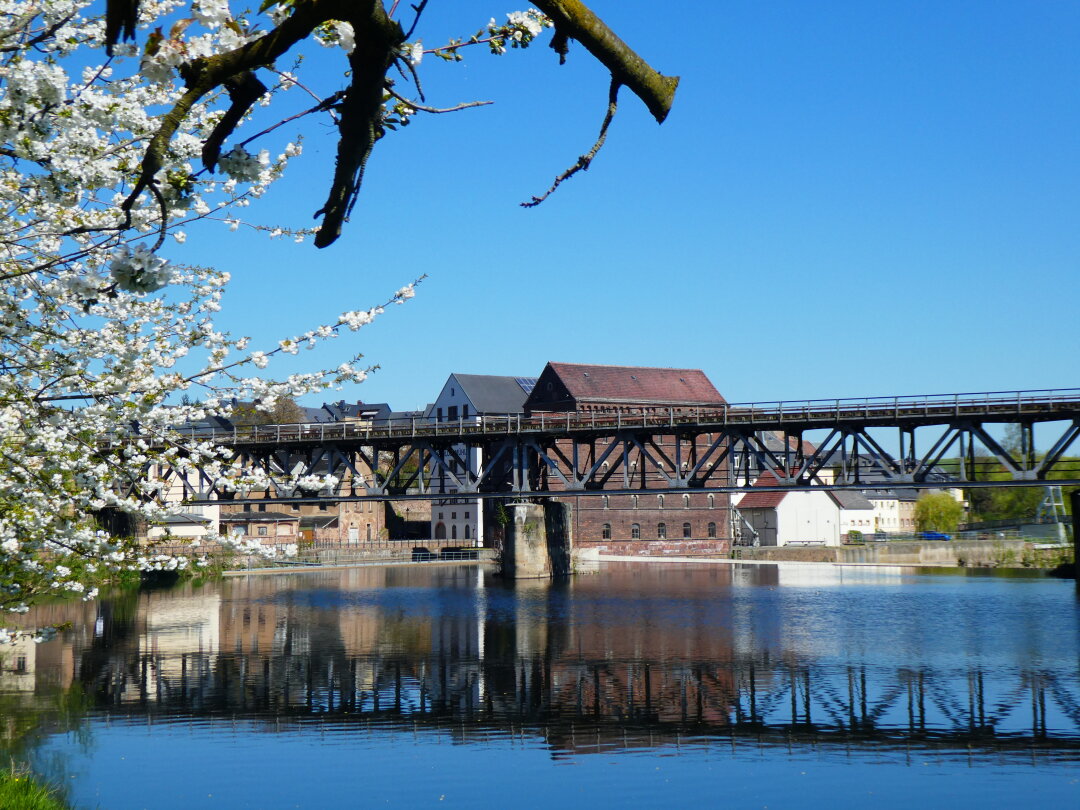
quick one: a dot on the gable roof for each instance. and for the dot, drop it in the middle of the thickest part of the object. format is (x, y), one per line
(849, 499)
(576, 384)
(762, 500)
(491, 393)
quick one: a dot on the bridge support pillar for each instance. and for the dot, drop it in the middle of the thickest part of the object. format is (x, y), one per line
(1074, 504)
(539, 540)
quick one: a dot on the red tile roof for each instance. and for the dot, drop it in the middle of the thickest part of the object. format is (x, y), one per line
(636, 385)
(762, 500)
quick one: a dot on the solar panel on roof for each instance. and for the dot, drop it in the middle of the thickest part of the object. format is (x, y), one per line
(527, 383)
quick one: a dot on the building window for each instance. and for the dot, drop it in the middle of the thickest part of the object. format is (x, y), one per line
(635, 531)
(661, 531)
(468, 534)
(322, 507)
(606, 504)
(712, 530)
(466, 515)
(712, 501)
(261, 507)
(660, 501)
(369, 532)
(453, 515)
(633, 501)
(451, 413)
(440, 531)
(295, 507)
(685, 501)
(438, 414)
(453, 531)
(605, 533)
(464, 411)
(686, 531)
(262, 531)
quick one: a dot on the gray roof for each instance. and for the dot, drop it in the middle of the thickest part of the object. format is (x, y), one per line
(894, 493)
(490, 393)
(848, 499)
(183, 519)
(316, 414)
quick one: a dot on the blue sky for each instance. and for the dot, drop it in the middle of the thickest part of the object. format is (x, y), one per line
(848, 199)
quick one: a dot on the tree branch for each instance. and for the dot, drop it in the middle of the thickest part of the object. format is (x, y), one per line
(584, 161)
(573, 18)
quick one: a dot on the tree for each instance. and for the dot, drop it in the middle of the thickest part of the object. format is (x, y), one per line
(938, 512)
(284, 411)
(94, 320)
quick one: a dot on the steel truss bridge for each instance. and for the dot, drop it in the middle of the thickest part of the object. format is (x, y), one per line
(939, 441)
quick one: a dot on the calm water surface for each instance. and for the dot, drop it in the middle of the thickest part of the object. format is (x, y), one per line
(639, 686)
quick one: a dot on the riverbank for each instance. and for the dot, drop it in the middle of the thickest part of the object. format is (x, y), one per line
(20, 790)
(990, 553)
(1016, 555)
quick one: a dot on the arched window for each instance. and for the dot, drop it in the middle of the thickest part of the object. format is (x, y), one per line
(440, 531)
(685, 501)
(633, 501)
(660, 501)
(712, 530)
(606, 502)
(661, 531)
(686, 530)
(635, 531)
(468, 532)
(604, 467)
(369, 532)
(453, 532)
(606, 531)
(712, 501)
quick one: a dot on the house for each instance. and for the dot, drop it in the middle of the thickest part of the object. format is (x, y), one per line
(894, 509)
(856, 512)
(466, 398)
(653, 522)
(272, 528)
(782, 518)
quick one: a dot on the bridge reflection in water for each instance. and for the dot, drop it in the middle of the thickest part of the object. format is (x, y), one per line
(637, 656)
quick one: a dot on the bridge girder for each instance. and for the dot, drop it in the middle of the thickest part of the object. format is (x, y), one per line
(677, 456)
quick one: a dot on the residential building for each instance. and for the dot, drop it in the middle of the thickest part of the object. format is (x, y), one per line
(466, 398)
(783, 518)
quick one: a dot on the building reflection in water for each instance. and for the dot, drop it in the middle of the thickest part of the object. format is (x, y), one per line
(635, 656)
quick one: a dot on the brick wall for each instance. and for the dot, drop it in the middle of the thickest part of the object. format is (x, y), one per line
(618, 512)
(662, 548)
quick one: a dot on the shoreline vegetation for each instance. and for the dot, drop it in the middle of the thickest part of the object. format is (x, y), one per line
(20, 789)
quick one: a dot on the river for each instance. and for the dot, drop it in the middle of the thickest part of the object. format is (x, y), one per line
(643, 685)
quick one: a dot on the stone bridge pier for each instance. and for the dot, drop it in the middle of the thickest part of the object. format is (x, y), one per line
(539, 541)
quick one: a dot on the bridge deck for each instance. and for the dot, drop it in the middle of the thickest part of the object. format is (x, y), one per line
(1023, 406)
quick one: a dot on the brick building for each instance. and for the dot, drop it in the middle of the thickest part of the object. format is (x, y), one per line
(652, 522)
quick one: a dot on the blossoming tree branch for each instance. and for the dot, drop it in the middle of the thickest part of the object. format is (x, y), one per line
(123, 125)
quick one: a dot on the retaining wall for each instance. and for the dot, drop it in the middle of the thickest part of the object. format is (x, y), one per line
(972, 553)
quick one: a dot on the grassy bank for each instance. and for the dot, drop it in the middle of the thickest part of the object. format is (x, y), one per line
(20, 790)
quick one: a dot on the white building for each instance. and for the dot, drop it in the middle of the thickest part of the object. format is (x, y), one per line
(784, 518)
(465, 398)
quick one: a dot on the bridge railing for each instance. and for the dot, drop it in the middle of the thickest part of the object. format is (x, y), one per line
(1005, 404)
